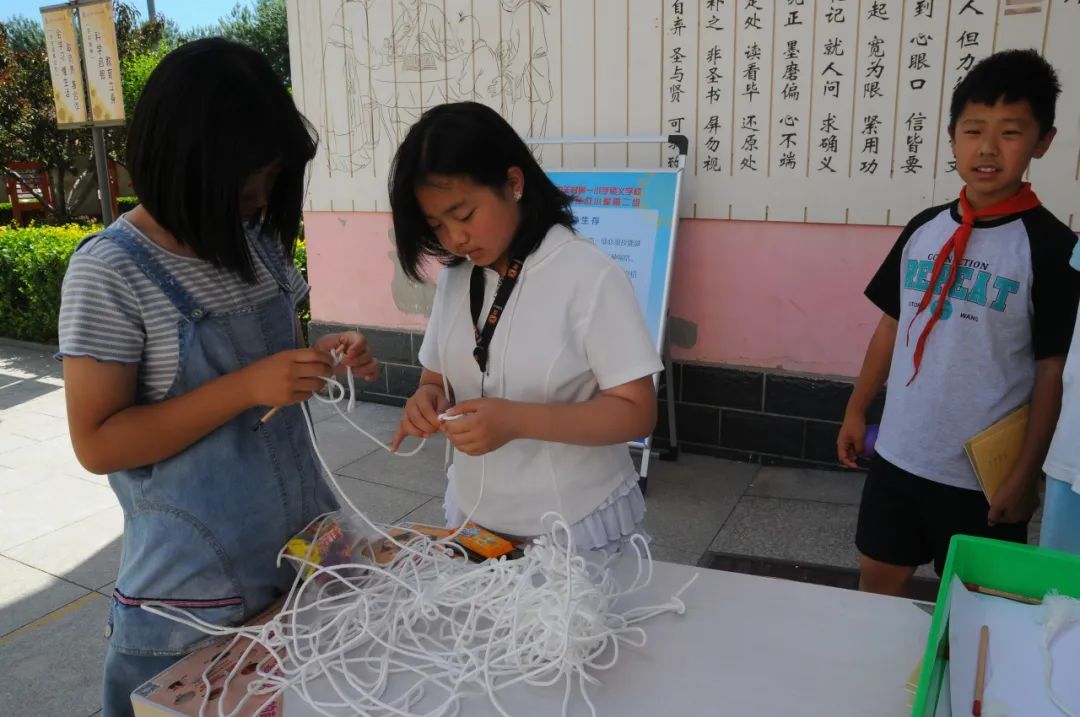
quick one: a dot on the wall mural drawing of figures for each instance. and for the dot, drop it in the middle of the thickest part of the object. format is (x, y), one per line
(817, 111)
(428, 57)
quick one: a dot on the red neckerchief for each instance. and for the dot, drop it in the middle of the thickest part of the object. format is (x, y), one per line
(956, 245)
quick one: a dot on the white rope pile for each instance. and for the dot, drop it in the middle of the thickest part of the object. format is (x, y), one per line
(430, 627)
(1058, 613)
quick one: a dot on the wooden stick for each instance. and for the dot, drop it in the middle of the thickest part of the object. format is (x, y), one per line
(980, 671)
(1002, 594)
(266, 417)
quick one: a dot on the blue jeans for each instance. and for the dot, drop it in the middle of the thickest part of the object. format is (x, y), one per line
(1061, 517)
(123, 674)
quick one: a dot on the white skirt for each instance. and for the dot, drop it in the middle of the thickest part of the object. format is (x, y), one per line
(607, 528)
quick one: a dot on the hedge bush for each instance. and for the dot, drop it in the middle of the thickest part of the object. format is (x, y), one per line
(6, 217)
(32, 264)
(33, 260)
(304, 309)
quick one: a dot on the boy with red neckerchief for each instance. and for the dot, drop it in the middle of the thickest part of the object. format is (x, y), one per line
(978, 309)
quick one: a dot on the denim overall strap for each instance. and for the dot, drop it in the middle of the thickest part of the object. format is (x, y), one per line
(271, 262)
(177, 294)
(203, 527)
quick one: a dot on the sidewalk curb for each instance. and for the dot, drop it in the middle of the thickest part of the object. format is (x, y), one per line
(18, 344)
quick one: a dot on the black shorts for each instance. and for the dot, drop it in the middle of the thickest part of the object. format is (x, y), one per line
(908, 520)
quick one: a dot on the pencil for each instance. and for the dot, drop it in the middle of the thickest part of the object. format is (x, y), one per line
(1003, 594)
(980, 670)
(266, 417)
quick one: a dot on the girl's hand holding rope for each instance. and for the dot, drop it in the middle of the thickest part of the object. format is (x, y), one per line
(483, 425)
(353, 352)
(421, 416)
(286, 377)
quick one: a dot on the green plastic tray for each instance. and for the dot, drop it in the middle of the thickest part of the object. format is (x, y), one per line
(1022, 569)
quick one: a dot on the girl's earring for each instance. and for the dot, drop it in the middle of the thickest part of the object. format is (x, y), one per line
(517, 196)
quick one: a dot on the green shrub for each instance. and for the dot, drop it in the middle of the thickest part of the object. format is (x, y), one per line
(304, 308)
(6, 217)
(135, 70)
(32, 264)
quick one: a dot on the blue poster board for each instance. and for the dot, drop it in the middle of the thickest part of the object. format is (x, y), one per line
(631, 215)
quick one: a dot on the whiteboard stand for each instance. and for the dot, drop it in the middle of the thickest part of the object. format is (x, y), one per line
(658, 192)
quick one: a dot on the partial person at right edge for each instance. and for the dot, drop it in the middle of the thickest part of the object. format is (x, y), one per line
(1061, 515)
(997, 341)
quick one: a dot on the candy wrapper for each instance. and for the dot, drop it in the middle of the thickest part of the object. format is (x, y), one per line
(341, 539)
(329, 540)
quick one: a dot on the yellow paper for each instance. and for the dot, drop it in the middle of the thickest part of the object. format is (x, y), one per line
(912, 684)
(994, 452)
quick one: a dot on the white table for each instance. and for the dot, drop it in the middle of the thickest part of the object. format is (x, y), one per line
(747, 647)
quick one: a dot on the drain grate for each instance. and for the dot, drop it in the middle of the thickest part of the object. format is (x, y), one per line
(837, 577)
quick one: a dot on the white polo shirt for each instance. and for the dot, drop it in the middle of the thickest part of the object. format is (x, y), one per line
(571, 329)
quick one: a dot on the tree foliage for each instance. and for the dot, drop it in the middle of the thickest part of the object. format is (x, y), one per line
(263, 26)
(28, 130)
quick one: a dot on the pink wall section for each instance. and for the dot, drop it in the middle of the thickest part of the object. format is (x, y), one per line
(353, 270)
(772, 295)
(778, 295)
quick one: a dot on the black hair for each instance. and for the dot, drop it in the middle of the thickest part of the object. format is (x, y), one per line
(212, 113)
(470, 140)
(1014, 75)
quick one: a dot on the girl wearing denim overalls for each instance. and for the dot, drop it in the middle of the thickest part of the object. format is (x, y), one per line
(178, 330)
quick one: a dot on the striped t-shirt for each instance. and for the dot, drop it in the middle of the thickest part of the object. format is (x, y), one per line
(111, 311)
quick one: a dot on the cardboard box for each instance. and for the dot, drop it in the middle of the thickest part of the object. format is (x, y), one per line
(179, 691)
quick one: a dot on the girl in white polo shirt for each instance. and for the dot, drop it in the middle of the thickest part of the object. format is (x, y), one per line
(536, 346)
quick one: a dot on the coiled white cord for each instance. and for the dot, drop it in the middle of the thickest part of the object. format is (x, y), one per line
(368, 639)
(1059, 612)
